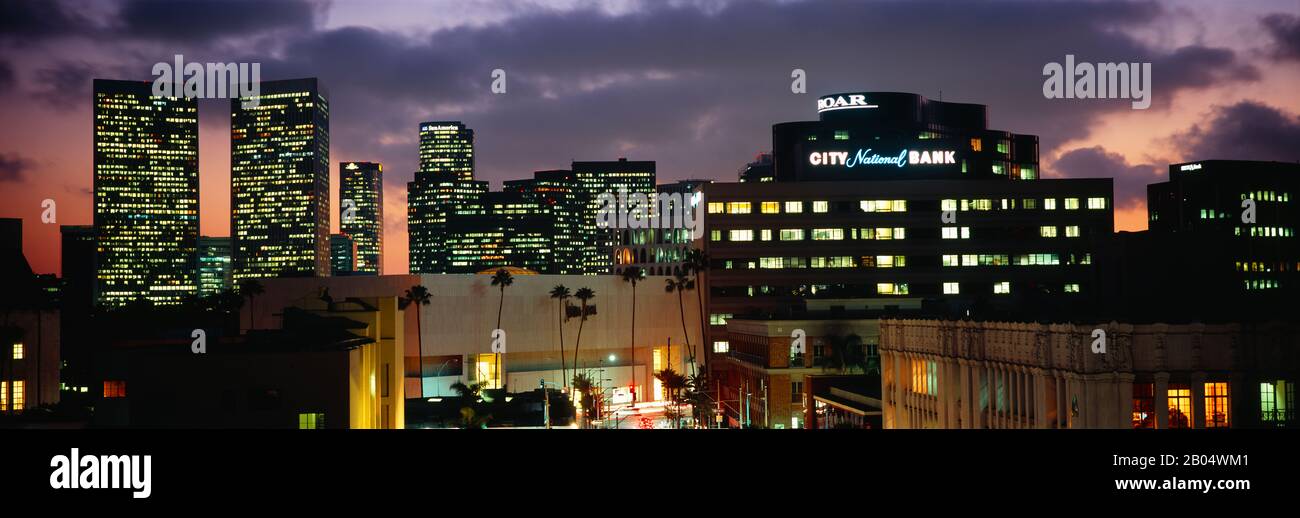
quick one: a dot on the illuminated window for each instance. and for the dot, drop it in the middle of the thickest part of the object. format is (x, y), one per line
(821, 206)
(1028, 173)
(4, 396)
(1002, 288)
(311, 421)
(976, 145)
(925, 377)
(715, 235)
(793, 207)
(998, 169)
(956, 232)
(114, 389)
(1096, 203)
(890, 288)
(765, 234)
(770, 207)
(1049, 203)
(1047, 231)
(951, 288)
(792, 234)
(657, 361)
(1071, 204)
(948, 205)
(1004, 146)
(485, 370)
(1144, 404)
(716, 207)
(740, 235)
(721, 347)
(1072, 231)
(1216, 405)
(1180, 406)
(739, 207)
(827, 234)
(18, 396)
(951, 260)
(1029, 203)
(1072, 288)
(719, 319)
(841, 135)
(1276, 400)
(18, 351)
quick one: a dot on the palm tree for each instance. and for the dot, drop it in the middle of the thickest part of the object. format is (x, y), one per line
(501, 279)
(847, 353)
(584, 295)
(680, 283)
(633, 274)
(561, 294)
(418, 295)
(250, 289)
(697, 263)
(673, 384)
(471, 414)
(583, 384)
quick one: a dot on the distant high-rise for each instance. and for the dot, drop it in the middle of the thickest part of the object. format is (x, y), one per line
(343, 255)
(77, 261)
(146, 180)
(361, 212)
(279, 182)
(430, 199)
(214, 266)
(447, 147)
(616, 178)
(558, 198)
(501, 229)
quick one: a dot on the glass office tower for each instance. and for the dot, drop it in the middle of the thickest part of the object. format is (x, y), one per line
(361, 212)
(447, 147)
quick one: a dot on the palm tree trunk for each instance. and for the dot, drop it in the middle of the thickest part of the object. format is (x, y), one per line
(40, 338)
(634, 343)
(419, 342)
(500, 306)
(704, 321)
(681, 307)
(562, 371)
(578, 342)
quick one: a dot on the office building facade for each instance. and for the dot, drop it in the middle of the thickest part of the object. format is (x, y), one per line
(447, 147)
(215, 275)
(343, 255)
(146, 194)
(279, 182)
(614, 178)
(432, 200)
(361, 212)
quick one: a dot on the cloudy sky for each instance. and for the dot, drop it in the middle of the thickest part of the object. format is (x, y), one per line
(693, 85)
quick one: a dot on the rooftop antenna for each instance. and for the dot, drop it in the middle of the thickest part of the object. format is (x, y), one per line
(940, 95)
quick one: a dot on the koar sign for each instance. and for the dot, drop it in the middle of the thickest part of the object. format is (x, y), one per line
(870, 157)
(843, 102)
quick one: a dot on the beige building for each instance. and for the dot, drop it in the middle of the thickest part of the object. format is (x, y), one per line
(452, 341)
(963, 374)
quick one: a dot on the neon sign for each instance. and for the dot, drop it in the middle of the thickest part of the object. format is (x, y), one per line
(843, 102)
(868, 157)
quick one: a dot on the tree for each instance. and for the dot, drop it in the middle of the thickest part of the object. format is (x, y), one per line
(846, 354)
(633, 275)
(472, 416)
(674, 384)
(250, 289)
(501, 279)
(697, 263)
(561, 294)
(680, 283)
(583, 384)
(584, 295)
(418, 295)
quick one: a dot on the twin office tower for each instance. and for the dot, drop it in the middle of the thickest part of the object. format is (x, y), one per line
(146, 191)
(146, 200)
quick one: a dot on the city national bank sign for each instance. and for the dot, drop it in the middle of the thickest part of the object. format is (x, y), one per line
(869, 157)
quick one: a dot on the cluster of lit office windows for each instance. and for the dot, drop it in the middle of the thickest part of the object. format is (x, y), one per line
(1257, 266)
(719, 319)
(955, 233)
(891, 288)
(721, 347)
(1261, 284)
(114, 389)
(1266, 196)
(886, 206)
(13, 395)
(1216, 400)
(1265, 231)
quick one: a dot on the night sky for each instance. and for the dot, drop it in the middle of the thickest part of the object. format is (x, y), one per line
(694, 86)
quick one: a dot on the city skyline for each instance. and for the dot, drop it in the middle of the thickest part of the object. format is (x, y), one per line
(1221, 91)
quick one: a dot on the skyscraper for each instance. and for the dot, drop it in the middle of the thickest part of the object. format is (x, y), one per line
(447, 147)
(343, 255)
(557, 196)
(214, 265)
(146, 180)
(279, 182)
(615, 178)
(361, 212)
(430, 200)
